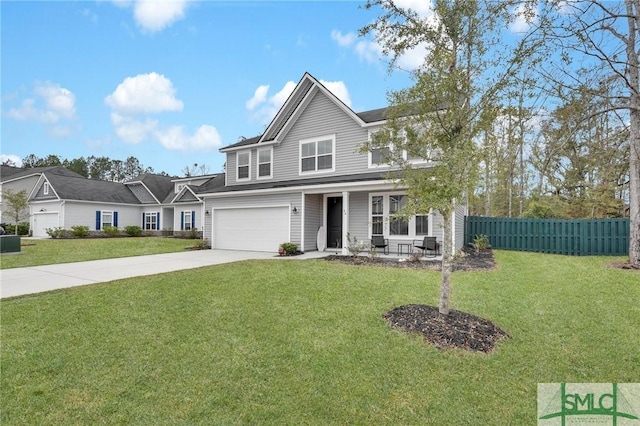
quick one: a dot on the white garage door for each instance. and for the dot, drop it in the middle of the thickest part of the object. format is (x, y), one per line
(43, 221)
(255, 229)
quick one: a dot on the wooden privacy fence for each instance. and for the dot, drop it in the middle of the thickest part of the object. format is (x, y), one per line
(579, 237)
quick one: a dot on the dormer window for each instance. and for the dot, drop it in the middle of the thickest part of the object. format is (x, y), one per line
(243, 166)
(316, 155)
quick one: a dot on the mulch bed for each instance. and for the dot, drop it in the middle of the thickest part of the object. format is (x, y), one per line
(458, 330)
(469, 260)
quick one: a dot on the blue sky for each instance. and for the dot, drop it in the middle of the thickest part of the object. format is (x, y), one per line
(170, 83)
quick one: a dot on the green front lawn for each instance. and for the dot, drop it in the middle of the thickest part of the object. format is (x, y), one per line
(303, 342)
(48, 252)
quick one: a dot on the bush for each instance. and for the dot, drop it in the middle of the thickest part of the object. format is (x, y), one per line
(355, 247)
(288, 249)
(111, 231)
(202, 244)
(133, 230)
(80, 231)
(23, 229)
(57, 233)
(481, 242)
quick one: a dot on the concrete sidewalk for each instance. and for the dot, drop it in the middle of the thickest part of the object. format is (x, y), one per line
(37, 279)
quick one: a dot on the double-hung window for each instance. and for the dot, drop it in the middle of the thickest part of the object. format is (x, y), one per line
(243, 165)
(265, 163)
(317, 154)
(385, 219)
(107, 219)
(397, 225)
(188, 220)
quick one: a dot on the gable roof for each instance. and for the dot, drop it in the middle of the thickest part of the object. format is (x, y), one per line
(158, 185)
(293, 106)
(72, 186)
(9, 173)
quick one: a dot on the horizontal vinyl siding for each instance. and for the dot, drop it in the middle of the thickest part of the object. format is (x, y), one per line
(81, 214)
(186, 207)
(313, 221)
(458, 241)
(322, 117)
(292, 199)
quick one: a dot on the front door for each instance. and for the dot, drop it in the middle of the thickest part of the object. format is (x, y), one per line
(334, 222)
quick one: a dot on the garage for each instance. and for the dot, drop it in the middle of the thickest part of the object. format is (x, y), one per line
(256, 229)
(43, 221)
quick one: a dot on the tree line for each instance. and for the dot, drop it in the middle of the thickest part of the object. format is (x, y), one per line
(105, 168)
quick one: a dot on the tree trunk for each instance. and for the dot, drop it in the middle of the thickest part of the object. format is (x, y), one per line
(634, 134)
(447, 259)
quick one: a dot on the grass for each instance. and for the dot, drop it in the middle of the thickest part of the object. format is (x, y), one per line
(48, 252)
(303, 342)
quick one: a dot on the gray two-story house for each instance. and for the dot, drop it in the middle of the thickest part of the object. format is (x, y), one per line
(305, 180)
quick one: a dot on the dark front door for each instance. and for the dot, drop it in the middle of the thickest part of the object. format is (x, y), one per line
(334, 222)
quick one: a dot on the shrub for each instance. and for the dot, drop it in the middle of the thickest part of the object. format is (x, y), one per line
(355, 247)
(111, 231)
(57, 233)
(23, 229)
(80, 231)
(481, 242)
(202, 244)
(133, 230)
(288, 249)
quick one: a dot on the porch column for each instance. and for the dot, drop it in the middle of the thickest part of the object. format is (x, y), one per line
(345, 223)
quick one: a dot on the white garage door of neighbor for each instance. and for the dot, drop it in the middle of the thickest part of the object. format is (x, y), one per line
(43, 221)
(255, 229)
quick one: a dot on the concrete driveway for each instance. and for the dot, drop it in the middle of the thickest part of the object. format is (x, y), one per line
(37, 279)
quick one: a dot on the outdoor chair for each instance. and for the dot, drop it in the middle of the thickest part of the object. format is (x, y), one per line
(427, 245)
(378, 241)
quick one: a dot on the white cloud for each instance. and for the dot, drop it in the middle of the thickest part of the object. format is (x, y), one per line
(525, 17)
(144, 93)
(339, 89)
(343, 40)
(423, 8)
(52, 105)
(174, 137)
(137, 99)
(156, 15)
(259, 96)
(264, 108)
(133, 130)
(11, 158)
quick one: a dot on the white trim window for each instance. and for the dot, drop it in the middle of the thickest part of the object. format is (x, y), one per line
(106, 219)
(317, 155)
(378, 157)
(243, 165)
(265, 163)
(151, 221)
(382, 213)
(45, 188)
(187, 220)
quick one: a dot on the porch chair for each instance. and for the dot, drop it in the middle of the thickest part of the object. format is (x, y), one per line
(428, 244)
(378, 241)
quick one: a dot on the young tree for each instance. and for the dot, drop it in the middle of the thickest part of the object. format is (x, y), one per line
(452, 101)
(17, 205)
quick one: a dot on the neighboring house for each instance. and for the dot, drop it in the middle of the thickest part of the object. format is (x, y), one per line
(59, 197)
(304, 180)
